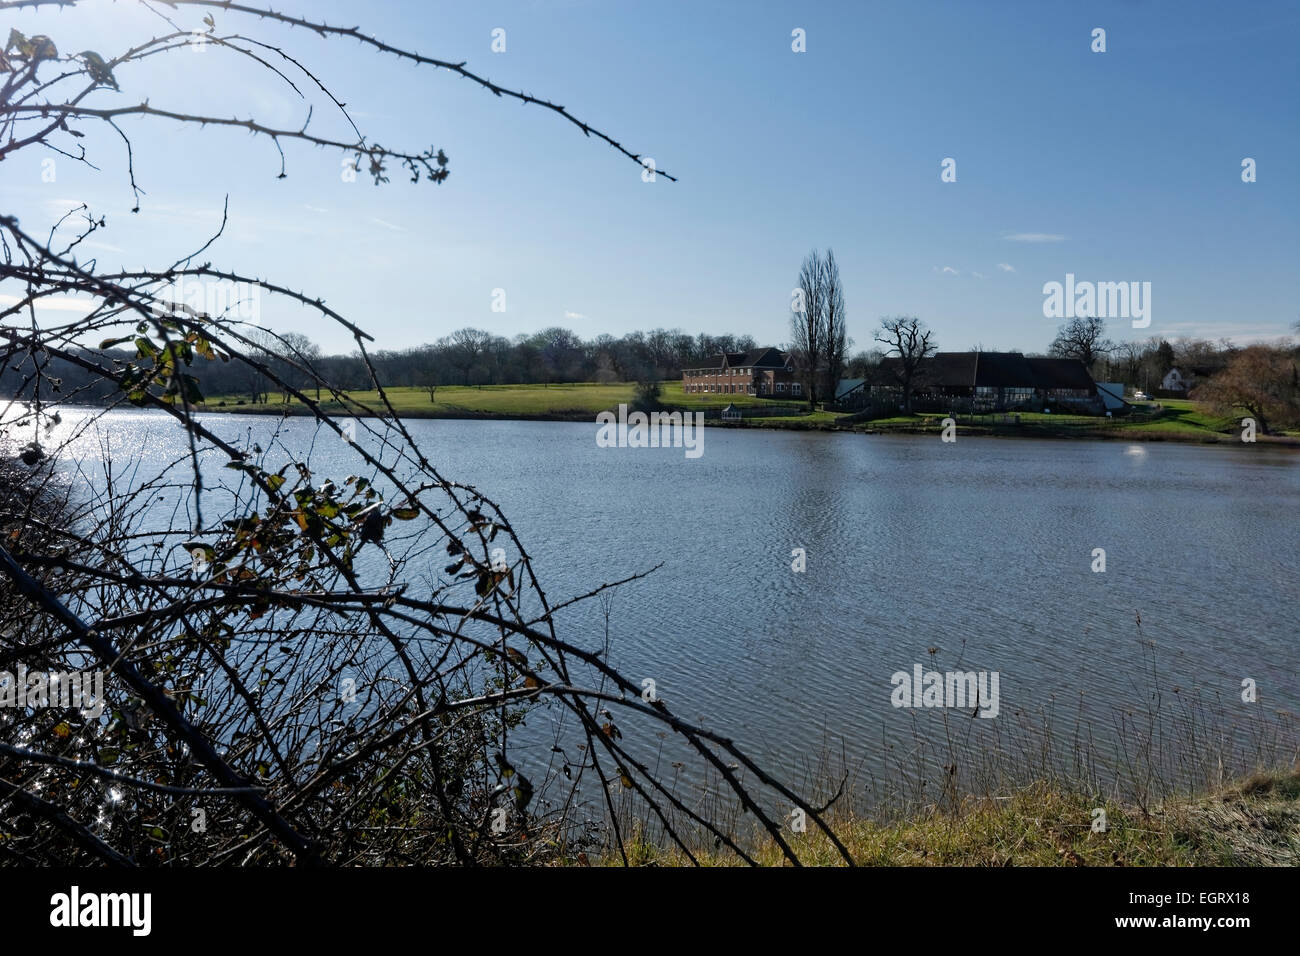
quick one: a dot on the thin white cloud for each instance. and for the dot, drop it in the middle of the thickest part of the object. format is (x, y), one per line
(1240, 334)
(60, 303)
(1034, 237)
(947, 270)
(310, 208)
(385, 224)
(1006, 267)
(573, 315)
(978, 275)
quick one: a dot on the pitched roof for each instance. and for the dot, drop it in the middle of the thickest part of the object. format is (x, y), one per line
(760, 358)
(989, 370)
(1060, 373)
(755, 358)
(713, 361)
(847, 385)
(1111, 394)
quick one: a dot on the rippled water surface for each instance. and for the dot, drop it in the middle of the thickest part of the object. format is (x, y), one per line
(981, 549)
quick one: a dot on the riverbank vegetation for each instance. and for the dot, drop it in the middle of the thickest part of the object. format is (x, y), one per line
(1169, 419)
(1251, 822)
(1165, 420)
(1182, 776)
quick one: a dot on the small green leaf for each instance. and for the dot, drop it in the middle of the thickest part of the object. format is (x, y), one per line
(99, 71)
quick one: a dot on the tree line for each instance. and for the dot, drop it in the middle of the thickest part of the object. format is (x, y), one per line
(467, 356)
(1259, 375)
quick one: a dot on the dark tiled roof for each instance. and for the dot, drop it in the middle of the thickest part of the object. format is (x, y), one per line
(754, 358)
(1060, 373)
(761, 358)
(989, 370)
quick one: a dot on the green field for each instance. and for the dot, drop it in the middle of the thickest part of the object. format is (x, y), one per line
(1181, 415)
(459, 400)
(580, 398)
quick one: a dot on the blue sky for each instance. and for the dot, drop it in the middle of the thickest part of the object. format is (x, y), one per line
(1115, 166)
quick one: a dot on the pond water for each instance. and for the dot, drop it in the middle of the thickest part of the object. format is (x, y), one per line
(982, 550)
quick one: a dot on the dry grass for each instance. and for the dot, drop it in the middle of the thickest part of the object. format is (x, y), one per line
(1252, 823)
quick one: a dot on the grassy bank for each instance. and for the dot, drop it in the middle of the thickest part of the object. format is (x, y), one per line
(1176, 420)
(1254, 822)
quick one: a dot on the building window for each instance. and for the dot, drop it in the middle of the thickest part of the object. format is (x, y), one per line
(780, 386)
(796, 388)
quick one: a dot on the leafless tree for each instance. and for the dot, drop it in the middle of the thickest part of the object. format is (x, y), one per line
(907, 339)
(1130, 361)
(468, 346)
(808, 324)
(294, 356)
(837, 339)
(429, 382)
(1083, 339)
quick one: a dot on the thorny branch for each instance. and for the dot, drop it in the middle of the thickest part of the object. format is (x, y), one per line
(299, 664)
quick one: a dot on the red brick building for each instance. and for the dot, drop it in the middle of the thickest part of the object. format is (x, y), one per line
(768, 372)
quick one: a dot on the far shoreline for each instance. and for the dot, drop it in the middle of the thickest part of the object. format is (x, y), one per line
(1022, 430)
